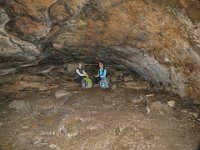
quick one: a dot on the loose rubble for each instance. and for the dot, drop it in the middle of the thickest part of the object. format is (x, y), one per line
(66, 116)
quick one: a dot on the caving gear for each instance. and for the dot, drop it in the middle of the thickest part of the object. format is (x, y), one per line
(86, 83)
(104, 83)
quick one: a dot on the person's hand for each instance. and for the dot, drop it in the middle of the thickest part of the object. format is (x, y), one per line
(96, 76)
(87, 75)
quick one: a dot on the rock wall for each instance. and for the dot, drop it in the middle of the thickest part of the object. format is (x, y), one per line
(159, 40)
(13, 50)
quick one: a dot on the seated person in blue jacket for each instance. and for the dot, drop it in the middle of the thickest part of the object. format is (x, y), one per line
(102, 73)
(80, 73)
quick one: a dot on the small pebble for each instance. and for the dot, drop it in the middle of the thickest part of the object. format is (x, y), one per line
(24, 127)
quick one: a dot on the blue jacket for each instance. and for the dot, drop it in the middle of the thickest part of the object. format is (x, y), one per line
(102, 73)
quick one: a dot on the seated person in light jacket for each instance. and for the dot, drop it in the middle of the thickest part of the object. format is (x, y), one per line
(80, 73)
(102, 73)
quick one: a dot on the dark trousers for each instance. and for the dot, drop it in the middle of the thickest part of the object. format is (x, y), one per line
(78, 79)
(97, 80)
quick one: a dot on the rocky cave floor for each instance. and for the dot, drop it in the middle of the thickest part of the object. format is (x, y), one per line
(42, 109)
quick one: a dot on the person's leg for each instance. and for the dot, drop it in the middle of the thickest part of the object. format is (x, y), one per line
(81, 79)
(78, 79)
(96, 81)
(99, 79)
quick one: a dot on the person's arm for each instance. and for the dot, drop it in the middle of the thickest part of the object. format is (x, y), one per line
(104, 74)
(98, 74)
(85, 73)
(80, 74)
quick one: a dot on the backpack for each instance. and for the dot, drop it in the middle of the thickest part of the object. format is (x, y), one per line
(86, 83)
(104, 83)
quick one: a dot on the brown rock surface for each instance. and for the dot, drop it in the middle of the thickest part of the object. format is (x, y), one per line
(159, 40)
(29, 28)
(13, 50)
(40, 108)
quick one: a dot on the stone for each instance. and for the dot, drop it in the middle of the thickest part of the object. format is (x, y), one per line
(7, 71)
(69, 132)
(113, 87)
(43, 104)
(94, 126)
(18, 104)
(148, 110)
(103, 141)
(128, 78)
(167, 60)
(160, 107)
(118, 130)
(3, 17)
(54, 147)
(46, 70)
(119, 73)
(31, 138)
(149, 95)
(68, 126)
(135, 85)
(25, 127)
(178, 80)
(46, 133)
(171, 103)
(62, 93)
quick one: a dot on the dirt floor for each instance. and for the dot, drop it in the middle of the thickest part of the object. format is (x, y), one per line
(42, 109)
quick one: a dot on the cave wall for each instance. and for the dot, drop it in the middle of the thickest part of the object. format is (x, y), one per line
(159, 40)
(13, 50)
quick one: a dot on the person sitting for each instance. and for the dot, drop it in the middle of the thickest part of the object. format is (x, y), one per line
(102, 73)
(80, 73)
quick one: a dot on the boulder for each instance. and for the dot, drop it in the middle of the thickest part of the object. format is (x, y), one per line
(18, 105)
(171, 103)
(68, 126)
(62, 93)
(42, 104)
(160, 107)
